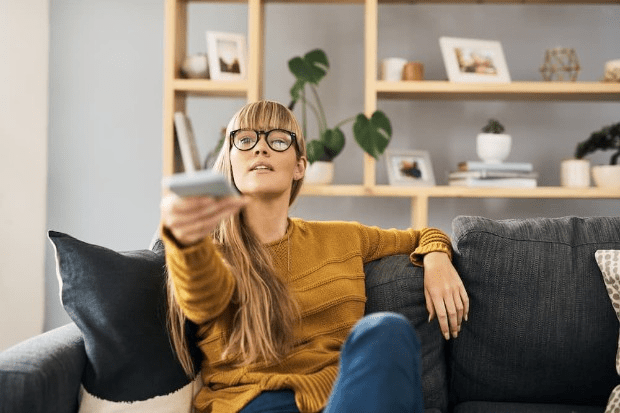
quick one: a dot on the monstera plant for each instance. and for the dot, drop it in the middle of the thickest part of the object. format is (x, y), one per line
(372, 134)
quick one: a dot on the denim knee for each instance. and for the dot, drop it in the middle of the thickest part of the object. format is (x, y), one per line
(386, 326)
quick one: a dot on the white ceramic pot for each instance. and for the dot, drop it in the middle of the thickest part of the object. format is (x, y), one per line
(493, 147)
(319, 173)
(575, 173)
(606, 176)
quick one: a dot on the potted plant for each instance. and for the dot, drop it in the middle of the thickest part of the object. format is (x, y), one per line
(608, 138)
(372, 134)
(492, 144)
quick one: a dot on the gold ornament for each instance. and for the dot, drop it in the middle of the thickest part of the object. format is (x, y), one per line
(560, 62)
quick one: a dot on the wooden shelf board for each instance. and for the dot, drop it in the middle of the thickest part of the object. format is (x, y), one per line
(211, 88)
(459, 192)
(423, 1)
(444, 90)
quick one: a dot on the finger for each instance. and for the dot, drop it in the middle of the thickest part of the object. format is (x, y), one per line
(429, 306)
(458, 305)
(465, 299)
(452, 315)
(442, 315)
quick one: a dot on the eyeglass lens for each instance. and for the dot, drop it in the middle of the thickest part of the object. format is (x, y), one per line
(278, 139)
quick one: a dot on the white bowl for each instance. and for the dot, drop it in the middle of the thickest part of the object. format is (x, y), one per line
(606, 176)
(493, 147)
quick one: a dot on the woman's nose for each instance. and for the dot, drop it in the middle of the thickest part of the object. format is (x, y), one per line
(261, 147)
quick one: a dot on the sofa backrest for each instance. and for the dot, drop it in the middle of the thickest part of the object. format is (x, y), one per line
(394, 284)
(541, 325)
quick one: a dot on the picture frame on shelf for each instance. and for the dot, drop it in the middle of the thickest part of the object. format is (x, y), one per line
(409, 168)
(474, 60)
(227, 55)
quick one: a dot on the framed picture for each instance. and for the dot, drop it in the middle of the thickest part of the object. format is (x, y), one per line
(474, 61)
(226, 53)
(409, 168)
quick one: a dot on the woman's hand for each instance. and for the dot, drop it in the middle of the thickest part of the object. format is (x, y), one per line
(192, 219)
(445, 294)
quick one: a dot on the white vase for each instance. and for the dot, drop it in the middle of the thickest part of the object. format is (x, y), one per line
(606, 176)
(493, 147)
(196, 66)
(575, 173)
(319, 173)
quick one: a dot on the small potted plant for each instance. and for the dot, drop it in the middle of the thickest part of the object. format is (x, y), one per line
(608, 138)
(372, 134)
(492, 144)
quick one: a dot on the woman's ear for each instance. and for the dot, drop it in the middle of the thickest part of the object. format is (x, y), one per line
(300, 168)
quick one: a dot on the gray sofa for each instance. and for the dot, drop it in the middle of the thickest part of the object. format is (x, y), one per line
(542, 335)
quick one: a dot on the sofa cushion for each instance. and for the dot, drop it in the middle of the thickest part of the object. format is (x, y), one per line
(394, 284)
(541, 329)
(117, 299)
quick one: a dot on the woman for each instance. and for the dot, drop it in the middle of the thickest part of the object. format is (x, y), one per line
(276, 298)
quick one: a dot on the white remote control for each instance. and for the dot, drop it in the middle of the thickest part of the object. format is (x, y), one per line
(205, 182)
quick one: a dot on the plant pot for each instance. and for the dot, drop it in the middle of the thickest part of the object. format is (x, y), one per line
(319, 173)
(606, 176)
(493, 147)
(575, 173)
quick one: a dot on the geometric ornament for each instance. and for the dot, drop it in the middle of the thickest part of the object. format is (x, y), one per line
(560, 62)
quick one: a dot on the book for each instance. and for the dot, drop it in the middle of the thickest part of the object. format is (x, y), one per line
(491, 174)
(187, 142)
(501, 166)
(495, 183)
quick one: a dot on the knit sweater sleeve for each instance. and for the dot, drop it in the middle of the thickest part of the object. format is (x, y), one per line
(203, 282)
(377, 243)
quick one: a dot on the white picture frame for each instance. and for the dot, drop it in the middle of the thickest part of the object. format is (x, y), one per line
(226, 53)
(474, 60)
(409, 168)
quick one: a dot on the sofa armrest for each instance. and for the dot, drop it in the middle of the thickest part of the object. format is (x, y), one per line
(43, 373)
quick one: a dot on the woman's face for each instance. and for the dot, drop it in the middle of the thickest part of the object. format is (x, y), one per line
(262, 171)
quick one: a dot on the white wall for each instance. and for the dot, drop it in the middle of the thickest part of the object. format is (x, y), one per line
(23, 166)
(106, 89)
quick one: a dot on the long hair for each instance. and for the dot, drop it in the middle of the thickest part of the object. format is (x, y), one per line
(265, 312)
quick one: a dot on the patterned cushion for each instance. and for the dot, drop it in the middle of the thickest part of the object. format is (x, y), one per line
(541, 329)
(394, 284)
(609, 263)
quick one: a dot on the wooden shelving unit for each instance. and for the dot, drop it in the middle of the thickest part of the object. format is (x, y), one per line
(177, 89)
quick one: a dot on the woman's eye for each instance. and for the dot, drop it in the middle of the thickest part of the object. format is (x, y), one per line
(279, 144)
(245, 141)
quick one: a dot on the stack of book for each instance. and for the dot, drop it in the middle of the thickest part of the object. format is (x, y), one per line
(487, 175)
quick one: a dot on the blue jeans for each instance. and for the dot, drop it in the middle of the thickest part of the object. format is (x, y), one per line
(380, 371)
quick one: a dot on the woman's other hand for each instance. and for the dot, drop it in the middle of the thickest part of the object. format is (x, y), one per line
(445, 294)
(192, 219)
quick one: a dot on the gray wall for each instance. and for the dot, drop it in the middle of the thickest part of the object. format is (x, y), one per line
(106, 106)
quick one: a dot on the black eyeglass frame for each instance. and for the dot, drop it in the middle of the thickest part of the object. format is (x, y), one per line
(258, 135)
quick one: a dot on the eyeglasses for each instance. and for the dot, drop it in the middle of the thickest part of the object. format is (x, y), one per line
(277, 139)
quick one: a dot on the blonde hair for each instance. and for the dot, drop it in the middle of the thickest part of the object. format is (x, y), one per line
(265, 312)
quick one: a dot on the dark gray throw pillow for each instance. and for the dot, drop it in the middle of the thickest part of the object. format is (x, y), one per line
(540, 327)
(118, 301)
(394, 284)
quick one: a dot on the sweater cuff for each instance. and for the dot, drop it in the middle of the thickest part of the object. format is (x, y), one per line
(187, 258)
(431, 240)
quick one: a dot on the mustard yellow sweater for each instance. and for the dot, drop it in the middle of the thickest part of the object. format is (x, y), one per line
(325, 273)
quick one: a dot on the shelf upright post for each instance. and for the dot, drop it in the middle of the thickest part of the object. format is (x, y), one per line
(174, 53)
(371, 33)
(419, 211)
(256, 36)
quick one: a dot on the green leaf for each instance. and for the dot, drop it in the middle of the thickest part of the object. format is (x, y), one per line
(315, 151)
(311, 68)
(333, 139)
(373, 135)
